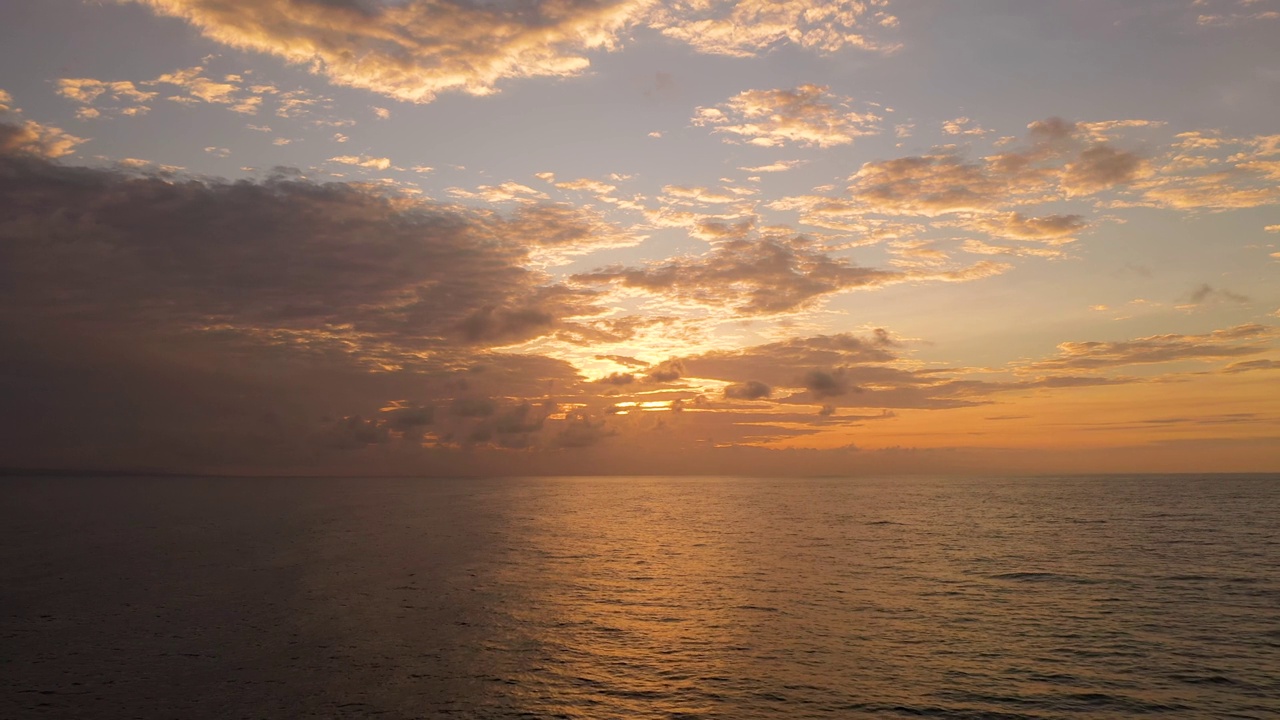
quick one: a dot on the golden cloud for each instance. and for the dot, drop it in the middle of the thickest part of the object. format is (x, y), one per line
(807, 115)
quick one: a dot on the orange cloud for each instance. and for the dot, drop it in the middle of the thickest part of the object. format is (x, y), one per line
(807, 115)
(36, 139)
(413, 50)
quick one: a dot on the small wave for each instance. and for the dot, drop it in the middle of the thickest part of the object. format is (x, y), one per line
(1030, 576)
(1205, 679)
(757, 608)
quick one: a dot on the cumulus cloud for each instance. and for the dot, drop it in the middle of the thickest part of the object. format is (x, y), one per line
(506, 192)
(1056, 161)
(33, 138)
(364, 161)
(287, 318)
(807, 115)
(196, 88)
(963, 126)
(97, 98)
(414, 49)
(1015, 225)
(281, 256)
(926, 185)
(743, 28)
(1075, 168)
(752, 277)
(1098, 168)
(192, 86)
(764, 272)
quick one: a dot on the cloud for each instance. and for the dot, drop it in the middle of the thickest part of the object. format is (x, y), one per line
(1212, 172)
(764, 273)
(824, 384)
(6, 101)
(1100, 167)
(33, 138)
(364, 161)
(807, 115)
(1217, 345)
(1229, 13)
(1047, 187)
(779, 166)
(283, 260)
(198, 88)
(926, 185)
(666, 371)
(96, 97)
(506, 192)
(1015, 225)
(1207, 295)
(1251, 365)
(750, 390)
(1055, 162)
(843, 370)
(414, 49)
(962, 126)
(555, 232)
(190, 87)
(753, 277)
(744, 28)
(194, 323)
(581, 430)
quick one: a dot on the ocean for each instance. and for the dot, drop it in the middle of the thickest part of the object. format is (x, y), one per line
(640, 597)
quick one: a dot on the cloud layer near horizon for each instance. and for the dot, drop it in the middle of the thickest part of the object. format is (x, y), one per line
(203, 323)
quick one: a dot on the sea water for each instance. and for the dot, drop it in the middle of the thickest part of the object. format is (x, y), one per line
(736, 598)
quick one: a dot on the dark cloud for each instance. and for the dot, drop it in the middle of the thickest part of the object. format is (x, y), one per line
(1100, 167)
(750, 390)
(278, 258)
(192, 324)
(473, 407)
(1206, 293)
(824, 384)
(624, 360)
(666, 371)
(581, 430)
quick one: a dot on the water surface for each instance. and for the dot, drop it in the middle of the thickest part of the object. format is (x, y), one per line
(1106, 597)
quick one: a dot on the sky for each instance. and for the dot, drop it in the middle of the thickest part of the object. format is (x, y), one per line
(435, 237)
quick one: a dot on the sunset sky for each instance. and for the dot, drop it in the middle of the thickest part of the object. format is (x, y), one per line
(632, 237)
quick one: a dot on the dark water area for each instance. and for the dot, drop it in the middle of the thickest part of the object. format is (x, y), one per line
(1099, 597)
